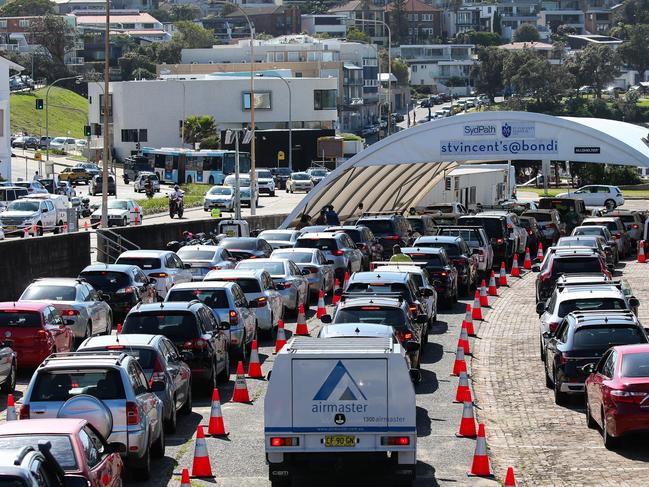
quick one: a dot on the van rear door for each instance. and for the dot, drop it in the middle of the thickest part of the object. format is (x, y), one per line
(340, 395)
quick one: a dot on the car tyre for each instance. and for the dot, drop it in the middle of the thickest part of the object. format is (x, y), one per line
(170, 424)
(272, 193)
(124, 222)
(542, 349)
(560, 398)
(548, 380)
(10, 384)
(242, 353)
(187, 407)
(158, 448)
(610, 442)
(224, 376)
(590, 422)
(142, 470)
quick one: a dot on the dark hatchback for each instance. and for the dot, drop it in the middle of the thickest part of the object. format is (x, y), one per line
(247, 247)
(280, 175)
(441, 272)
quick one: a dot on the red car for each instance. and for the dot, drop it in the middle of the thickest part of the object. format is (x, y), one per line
(617, 393)
(76, 444)
(34, 330)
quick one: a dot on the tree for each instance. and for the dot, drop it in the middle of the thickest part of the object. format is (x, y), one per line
(398, 21)
(313, 7)
(21, 8)
(497, 23)
(355, 35)
(193, 36)
(212, 142)
(199, 127)
(53, 33)
(185, 12)
(400, 71)
(634, 49)
(489, 72)
(478, 38)
(595, 65)
(635, 12)
(526, 33)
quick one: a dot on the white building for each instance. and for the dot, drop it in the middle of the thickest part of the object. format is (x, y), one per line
(335, 25)
(151, 111)
(5, 127)
(436, 65)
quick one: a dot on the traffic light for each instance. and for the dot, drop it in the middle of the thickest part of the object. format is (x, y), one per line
(39, 103)
(87, 130)
(96, 128)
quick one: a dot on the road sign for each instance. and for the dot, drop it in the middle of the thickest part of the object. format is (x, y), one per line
(216, 213)
(37, 156)
(280, 155)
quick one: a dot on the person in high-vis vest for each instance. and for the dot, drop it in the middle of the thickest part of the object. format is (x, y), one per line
(397, 256)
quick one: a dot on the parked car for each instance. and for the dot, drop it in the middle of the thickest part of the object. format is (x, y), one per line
(141, 179)
(365, 241)
(96, 185)
(44, 142)
(49, 184)
(61, 385)
(390, 229)
(194, 329)
(602, 232)
(32, 187)
(260, 291)
(78, 447)
(317, 174)
(9, 194)
(581, 339)
(92, 168)
(421, 225)
(82, 308)
(162, 265)
(121, 213)
(516, 233)
(338, 248)
(25, 142)
(247, 247)
(229, 304)
(34, 331)
(35, 216)
(219, 197)
(281, 175)
(280, 239)
(320, 272)
(126, 285)
(616, 392)
(265, 182)
(62, 143)
(75, 175)
(633, 223)
(597, 195)
(161, 362)
(299, 181)
(289, 280)
(617, 229)
(477, 240)
(452, 207)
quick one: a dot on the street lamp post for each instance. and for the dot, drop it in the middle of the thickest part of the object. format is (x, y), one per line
(290, 116)
(47, 113)
(104, 177)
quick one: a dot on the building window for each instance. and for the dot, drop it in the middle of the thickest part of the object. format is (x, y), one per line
(298, 75)
(262, 100)
(110, 105)
(324, 99)
(134, 135)
(293, 57)
(3, 24)
(414, 68)
(23, 23)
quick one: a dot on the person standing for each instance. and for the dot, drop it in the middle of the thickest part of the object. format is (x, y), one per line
(397, 256)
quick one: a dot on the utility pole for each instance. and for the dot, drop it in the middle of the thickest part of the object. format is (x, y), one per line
(104, 177)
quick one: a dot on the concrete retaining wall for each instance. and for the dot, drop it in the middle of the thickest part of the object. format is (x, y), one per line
(23, 260)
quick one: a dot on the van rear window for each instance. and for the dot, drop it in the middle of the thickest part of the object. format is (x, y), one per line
(323, 244)
(144, 263)
(604, 337)
(572, 265)
(176, 326)
(62, 384)
(493, 226)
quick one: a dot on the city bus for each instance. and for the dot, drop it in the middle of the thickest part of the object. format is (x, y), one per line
(191, 166)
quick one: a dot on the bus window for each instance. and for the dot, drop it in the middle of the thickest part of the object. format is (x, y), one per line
(213, 163)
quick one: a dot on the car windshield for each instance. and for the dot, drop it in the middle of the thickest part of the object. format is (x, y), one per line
(587, 231)
(452, 249)
(264, 174)
(540, 217)
(145, 356)
(603, 337)
(355, 235)
(572, 265)
(247, 285)
(626, 218)
(117, 205)
(441, 208)
(590, 304)
(175, 325)
(577, 242)
(371, 314)
(61, 384)
(107, 281)
(221, 191)
(50, 293)
(297, 257)
(273, 268)
(318, 172)
(611, 225)
(433, 260)
(377, 287)
(324, 244)
(61, 447)
(561, 205)
(635, 365)
(213, 298)
(471, 237)
(189, 254)
(144, 263)
(493, 226)
(239, 243)
(378, 227)
(23, 206)
(28, 319)
(299, 176)
(281, 236)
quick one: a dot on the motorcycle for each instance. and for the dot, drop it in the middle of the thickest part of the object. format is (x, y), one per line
(149, 191)
(176, 206)
(85, 209)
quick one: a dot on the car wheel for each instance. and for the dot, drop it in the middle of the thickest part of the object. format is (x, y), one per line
(187, 407)
(158, 448)
(548, 380)
(170, 424)
(242, 353)
(542, 349)
(307, 304)
(124, 222)
(560, 398)
(272, 193)
(142, 470)
(39, 229)
(590, 422)
(10, 384)
(610, 442)
(224, 376)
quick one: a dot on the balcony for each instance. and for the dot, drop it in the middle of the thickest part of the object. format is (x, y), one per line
(10, 47)
(74, 61)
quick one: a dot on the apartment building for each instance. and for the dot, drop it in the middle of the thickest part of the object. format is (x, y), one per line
(439, 65)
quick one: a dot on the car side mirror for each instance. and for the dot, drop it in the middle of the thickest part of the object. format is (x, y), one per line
(158, 386)
(425, 292)
(588, 368)
(411, 346)
(421, 319)
(45, 210)
(69, 322)
(548, 334)
(634, 302)
(475, 252)
(540, 308)
(152, 281)
(330, 262)
(610, 267)
(253, 304)
(536, 268)
(326, 319)
(224, 325)
(187, 266)
(306, 272)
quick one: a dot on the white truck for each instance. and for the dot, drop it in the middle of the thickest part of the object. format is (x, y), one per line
(336, 404)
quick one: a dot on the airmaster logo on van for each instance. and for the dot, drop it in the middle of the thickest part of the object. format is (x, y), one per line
(339, 393)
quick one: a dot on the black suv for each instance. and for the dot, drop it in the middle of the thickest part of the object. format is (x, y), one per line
(390, 229)
(581, 339)
(441, 272)
(247, 247)
(496, 228)
(280, 175)
(193, 328)
(567, 261)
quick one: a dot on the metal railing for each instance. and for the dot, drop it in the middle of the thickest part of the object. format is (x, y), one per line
(111, 245)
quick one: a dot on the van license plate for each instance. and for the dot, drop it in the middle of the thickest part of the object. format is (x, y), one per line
(340, 441)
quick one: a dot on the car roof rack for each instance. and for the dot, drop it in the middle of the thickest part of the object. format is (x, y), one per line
(380, 213)
(117, 355)
(605, 314)
(370, 294)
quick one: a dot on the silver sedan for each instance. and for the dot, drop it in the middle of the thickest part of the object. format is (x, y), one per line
(205, 258)
(321, 273)
(289, 280)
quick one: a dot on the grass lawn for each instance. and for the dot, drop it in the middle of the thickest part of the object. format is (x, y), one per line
(638, 193)
(643, 103)
(62, 120)
(194, 194)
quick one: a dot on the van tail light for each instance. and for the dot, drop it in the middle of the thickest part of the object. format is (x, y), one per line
(234, 317)
(563, 359)
(404, 336)
(196, 344)
(159, 274)
(553, 326)
(337, 253)
(24, 411)
(132, 413)
(69, 312)
(635, 226)
(627, 397)
(284, 441)
(395, 440)
(125, 290)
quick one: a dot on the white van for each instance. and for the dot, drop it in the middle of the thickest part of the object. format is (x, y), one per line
(333, 400)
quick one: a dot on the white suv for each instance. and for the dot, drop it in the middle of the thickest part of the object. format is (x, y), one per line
(163, 266)
(597, 195)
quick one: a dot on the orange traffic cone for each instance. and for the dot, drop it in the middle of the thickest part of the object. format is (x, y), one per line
(460, 363)
(502, 278)
(480, 466)
(642, 258)
(119, 328)
(516, 272)
(65, 228)
(254, 366)
(216, 426)
(201, 466)
(184, 479)
(468, 321)
(463, 341)
(301, 328)
(85, 225)
(463, 393)
(510, 480)
(26, 232)
(240, 393)
(539, 252)
(346, 280)
(476, 312)
(484, 298)
(34, 228)
(467, 424)
(492, 290)
(321, 305)
(337, 292)
(11, 408)
(527, 263)
(281, 337)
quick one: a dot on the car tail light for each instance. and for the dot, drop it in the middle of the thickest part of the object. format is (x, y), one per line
(370, 308)
(158, 372)
(132, 413)
(362, 246)
(617, 235)
(24, 411)
(69, 312)
(510, 226)
(196, 343)
(284, 441)
(563, 359)
(635, 226)
(158, 274)
(115, 347)
(553, 326)
(262, 301)
(391, 237)
(43, 336)
(412, 308)
(627, 396)
(252, 256)
(443, 274)
(125, 290)
(395, 440)
(405, 336)
(500, 241)
(337, 253)
(530, 232)
(234, 317)
(481, 255)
